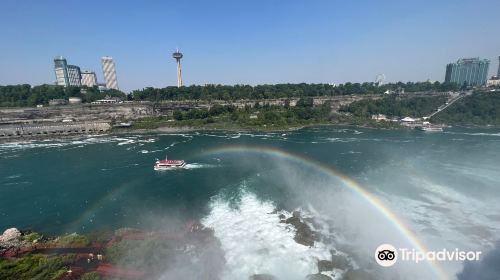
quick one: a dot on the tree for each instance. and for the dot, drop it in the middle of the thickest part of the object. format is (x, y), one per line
(177, 115)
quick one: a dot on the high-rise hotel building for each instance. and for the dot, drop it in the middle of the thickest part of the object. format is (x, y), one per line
(468, 71)
(61, 70)
(109, 71)
(66, 75)
(74, 75)
(498, 72)
(89, 79)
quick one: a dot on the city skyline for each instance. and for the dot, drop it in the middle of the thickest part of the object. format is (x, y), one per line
(250, 43)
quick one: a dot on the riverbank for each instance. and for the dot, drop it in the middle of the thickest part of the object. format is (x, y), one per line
(138, 254)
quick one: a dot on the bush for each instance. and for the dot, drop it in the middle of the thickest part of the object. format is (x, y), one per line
(91, 276)
(33, 236)
(73, 240)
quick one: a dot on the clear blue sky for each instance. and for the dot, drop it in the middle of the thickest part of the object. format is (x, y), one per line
(246, 42)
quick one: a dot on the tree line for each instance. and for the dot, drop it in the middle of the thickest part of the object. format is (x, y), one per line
(477, 109)
(238, 92)
(26, 95)
(396, 106)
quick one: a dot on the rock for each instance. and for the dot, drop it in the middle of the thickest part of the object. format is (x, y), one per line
(324, 265)
(262, 277)
(304, 235)
(282, 217)
(318, 276)
(341, 262)
(10, 234)
(12, 238)
(358, 274)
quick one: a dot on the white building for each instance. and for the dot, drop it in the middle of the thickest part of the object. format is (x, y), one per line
(109, 71)
(89, 79)
(379, 117)
(493, 82)
(74, 100)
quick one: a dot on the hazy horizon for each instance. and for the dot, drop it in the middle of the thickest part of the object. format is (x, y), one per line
(262, 42)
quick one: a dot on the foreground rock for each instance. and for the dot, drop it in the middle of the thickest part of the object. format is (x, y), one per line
(10, 235)
(318, 276)
(304, 234)
(262, 277)
(13, 238)
(358, 274)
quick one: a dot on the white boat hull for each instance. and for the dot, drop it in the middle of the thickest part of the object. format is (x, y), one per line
(168, 167)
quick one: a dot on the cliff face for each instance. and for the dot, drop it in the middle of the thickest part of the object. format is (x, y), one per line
(82, 112)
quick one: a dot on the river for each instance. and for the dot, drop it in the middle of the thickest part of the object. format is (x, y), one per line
(362, 187)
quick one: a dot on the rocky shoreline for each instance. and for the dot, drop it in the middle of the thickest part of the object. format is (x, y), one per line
(193, 240)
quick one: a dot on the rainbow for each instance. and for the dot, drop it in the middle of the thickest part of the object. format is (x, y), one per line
(346, 182)
(92, 208)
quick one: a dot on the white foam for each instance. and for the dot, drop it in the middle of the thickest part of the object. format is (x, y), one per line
(199, 165)
(254, 241)
(474, 133)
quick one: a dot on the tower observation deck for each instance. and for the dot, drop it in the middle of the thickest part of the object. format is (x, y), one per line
(178, 55)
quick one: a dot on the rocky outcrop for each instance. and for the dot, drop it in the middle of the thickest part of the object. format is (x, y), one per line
(12, 241)
(358, 274)
(10, 237)
(318, 276)
(325, 265)
(304, 234)
(262, 277)
(340, 262)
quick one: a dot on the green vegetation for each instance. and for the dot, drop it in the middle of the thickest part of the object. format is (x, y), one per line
(482, 108)
(32, 237)
(396, 106)
(25, 95)
(226, 117)
(91, 276)
(36, 267)
(238, 92)
(267, 117)
(73, 240)
(143, 254)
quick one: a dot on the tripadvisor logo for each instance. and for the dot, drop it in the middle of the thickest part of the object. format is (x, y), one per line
(387, 255)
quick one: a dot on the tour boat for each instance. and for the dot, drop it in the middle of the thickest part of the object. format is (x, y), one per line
(169, 164)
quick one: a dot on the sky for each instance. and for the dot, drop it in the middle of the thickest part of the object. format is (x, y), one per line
(246, 41)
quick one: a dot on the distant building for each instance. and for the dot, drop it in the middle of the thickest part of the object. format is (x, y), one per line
(493, 82)
(109, 71)
(408, 120)
(89, 79)
(498, 71)
(55, 102)
(66, 75)
(74, 100)
(380, 117)
(468, 71)
(61, 71)
(102, 87)
(74, 76)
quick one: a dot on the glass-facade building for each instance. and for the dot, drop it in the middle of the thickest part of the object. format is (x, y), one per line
(74, 75)
(61, 71)
(66, 75)
(468, 71)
